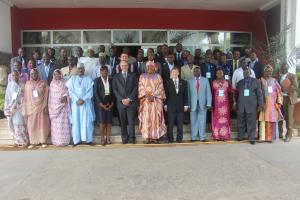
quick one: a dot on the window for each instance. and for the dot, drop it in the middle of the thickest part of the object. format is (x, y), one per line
(66, 37)
(190, 39)
(96, 37)
(154, 37)
(126, 37)
(36, 37)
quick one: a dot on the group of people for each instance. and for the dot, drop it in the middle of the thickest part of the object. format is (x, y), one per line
(66, 97)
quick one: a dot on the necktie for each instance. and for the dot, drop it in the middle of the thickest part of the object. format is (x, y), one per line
(235, 65)
(125, 76)
(47, 70)
(198, 85)
(176, 85)
(111, 61)
(178, 56)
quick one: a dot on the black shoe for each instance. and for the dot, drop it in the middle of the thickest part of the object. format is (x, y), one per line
(193, 140)
(131, 141)
(203, 140)
(239, 140)
(124, 142)
(179, 141)
(252, 142)
(90, 144)
(170, 141)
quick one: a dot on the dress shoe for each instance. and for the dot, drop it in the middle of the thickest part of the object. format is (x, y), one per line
(252, 142)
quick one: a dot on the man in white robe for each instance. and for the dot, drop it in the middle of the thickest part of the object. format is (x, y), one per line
(80, 89)
(90, 63)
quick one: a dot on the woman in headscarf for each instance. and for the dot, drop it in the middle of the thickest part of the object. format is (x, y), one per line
(151, 96)
(59, 110)
(270, 115)
(12, 109)
(35, 109)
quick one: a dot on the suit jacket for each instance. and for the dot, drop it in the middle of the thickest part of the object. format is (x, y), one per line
(176, 102)
(258, 69)
(99, 91)
(203, 97)
(166, 73)
(116, 62)
(125, 89)
(61, 62)
(204, 70)
(18, 59)
(138, 69)
(227, 69)
(249, 103)
(42, 72)
(117, 69)
(179, 61)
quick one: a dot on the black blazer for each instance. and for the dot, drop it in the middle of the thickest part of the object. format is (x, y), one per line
(125, 89)
(176, 102)
(258, 69)
(255, 99)
(99, 92)
(204, 70)
(166, 73)
(117, 61)
(179, 61)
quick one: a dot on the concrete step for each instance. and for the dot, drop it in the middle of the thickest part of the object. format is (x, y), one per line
(6, 137)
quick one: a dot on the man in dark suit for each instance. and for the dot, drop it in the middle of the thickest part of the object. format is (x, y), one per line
(227, 68)
(112, 59)
(208, 69)
(176, 104)
(139, 64)
(178, 54)
(46, 69)
(235, 60)
(20, 58)
(167, 67)
(250, 101)
(125, 91)
(257, 66)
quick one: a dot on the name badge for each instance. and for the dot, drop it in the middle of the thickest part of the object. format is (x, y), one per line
(14, 96)
(221, 93)
(208, 75)
(79, 90)
(270, 89)
(246, 93)
(226, 77)
(35, 93)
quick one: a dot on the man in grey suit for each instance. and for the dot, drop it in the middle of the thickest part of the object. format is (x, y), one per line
(46, 69)
(125, 90)
(250, 101)
(200, 98)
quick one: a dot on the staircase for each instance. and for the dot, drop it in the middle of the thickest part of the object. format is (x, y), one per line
(6, 137)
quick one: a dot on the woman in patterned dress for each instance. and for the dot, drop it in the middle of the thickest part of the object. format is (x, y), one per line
(221, 90)
(59, 110)
(151, 96)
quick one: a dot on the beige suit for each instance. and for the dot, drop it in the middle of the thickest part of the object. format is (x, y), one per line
(288, 106)
(187, 73)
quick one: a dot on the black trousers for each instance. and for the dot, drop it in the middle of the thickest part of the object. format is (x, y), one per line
(127, 115)
(178, 118)
(246, 122)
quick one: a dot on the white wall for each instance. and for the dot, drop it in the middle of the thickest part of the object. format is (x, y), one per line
(5, 31)
(298, 24)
